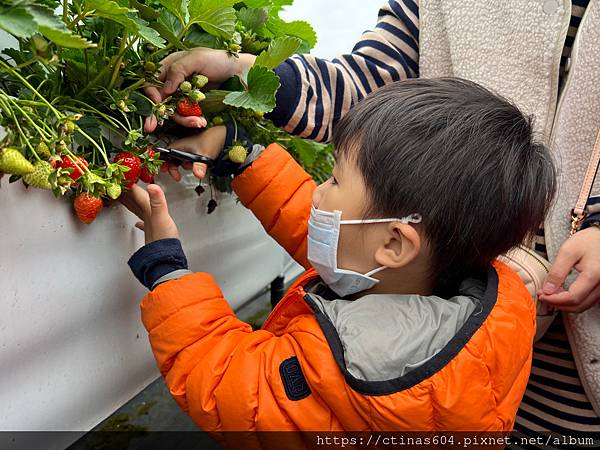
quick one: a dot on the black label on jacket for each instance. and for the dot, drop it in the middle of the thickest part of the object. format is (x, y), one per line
(296, 387)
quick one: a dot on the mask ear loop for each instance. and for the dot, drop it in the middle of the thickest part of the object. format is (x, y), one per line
(413, 218)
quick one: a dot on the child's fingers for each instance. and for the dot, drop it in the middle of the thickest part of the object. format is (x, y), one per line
(160, 221)
(136, 200)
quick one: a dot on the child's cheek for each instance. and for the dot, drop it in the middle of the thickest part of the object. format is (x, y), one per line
(351, 252)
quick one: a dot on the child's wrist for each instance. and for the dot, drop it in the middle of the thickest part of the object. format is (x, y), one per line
(157, 259)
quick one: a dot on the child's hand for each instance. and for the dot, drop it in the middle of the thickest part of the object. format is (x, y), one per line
(151, 207)
(208, 143)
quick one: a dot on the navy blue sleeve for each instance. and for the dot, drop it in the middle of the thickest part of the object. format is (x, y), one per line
(157, 259)
(288, 94)
(589, 219)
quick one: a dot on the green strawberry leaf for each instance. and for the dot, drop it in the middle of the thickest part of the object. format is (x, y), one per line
(169, 27)
(279, 4)
(298, 28)
(218, 22)
(142, 104)
(126, 17)
(253, 18)
(176, 7)
(55, 30)
(108, 9)
(197, 37)
(307, 150)
(279, 50)
(258, 3)
(17, 22)
(146, 12)
(149, 34)
(260, 95)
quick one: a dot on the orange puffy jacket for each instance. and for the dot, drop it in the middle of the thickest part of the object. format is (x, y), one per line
(291, 374)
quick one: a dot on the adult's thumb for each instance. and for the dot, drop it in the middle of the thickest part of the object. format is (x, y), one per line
(558, 272)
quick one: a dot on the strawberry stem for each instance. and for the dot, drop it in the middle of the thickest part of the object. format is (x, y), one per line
(43, 133)
(95, 144)
(34, 90)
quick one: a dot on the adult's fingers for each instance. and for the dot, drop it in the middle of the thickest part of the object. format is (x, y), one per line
(175, 74)
(578, 292)
(166, 62)
(190, 121)
(564, 263)
(577, 307)
(140, 226)
(199, 170)
(174, 171)
(150, 124)
(153, 94)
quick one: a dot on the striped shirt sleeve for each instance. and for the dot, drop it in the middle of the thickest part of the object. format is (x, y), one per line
(316, 93)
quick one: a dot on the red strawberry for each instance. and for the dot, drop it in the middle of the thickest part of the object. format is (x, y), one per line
(135, 167)
(87, 207)
(185, 108)
(150, 165)
(146, 177)
(66, 163)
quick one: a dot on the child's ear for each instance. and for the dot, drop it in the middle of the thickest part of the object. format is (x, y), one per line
(401, 246)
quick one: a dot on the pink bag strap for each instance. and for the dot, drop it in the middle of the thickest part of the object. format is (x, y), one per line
(579, 213)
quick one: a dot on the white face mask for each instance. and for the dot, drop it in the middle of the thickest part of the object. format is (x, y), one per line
(323, 238)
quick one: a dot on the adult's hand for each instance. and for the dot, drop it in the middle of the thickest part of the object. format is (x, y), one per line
(150, 206)
(208, 143)
(582, 253)
(217, 65)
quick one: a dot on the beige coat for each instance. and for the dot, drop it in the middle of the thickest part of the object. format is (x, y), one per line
(515, 49)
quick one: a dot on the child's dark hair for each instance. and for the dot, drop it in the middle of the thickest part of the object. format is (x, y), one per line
(462, 157)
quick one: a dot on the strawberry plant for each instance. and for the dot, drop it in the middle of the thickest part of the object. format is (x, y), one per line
(71, 104)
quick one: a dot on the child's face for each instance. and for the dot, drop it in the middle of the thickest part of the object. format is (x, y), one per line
(345, 191)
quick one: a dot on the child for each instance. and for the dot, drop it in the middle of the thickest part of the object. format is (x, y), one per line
(404, 321)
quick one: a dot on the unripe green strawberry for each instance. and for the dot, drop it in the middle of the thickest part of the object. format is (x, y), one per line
(259, 115)
(113, 191)
(69, 127)
(149, 66)
(196, 96)
(217, 120)
(65, 180)
(234, 48)
(43, 151)
(199, 81)
(39, 177)
(185, 87)
(12, 161)
(40, 44)
(237, 154)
